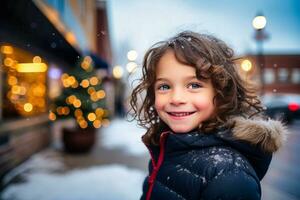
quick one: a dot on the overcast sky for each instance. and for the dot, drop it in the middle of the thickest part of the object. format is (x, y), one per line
(137, 24)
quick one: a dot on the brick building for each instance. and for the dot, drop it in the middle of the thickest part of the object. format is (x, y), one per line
(281, 72)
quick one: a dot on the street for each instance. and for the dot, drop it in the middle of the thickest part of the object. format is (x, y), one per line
(282, 179)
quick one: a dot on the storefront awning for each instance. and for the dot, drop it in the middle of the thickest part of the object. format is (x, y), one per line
(24, 25)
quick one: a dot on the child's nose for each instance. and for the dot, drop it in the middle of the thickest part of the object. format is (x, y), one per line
(178, 97)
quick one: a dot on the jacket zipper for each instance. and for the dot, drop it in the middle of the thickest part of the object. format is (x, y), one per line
(157, 165)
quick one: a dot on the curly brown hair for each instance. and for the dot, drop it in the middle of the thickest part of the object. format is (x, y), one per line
(213, 60)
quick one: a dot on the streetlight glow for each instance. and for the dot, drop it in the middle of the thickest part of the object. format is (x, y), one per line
(132, 55)
(118, 72)
(246, 65)
(259, 22)
(131, 67)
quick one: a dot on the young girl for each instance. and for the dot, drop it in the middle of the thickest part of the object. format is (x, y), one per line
(206, 132)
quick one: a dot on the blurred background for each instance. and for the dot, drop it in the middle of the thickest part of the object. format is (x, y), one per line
(68, 67)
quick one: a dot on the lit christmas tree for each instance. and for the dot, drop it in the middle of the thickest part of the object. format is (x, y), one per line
(83, 99)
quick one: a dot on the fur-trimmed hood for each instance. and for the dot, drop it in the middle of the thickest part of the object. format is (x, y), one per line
(268, 134)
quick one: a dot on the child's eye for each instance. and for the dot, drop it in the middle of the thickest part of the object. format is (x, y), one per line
(163, 87)
(194, 85)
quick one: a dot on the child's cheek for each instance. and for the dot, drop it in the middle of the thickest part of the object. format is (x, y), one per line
(159, 103)
(158, 106)
(203, 104)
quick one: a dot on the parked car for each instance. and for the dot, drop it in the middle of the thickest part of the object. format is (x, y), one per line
(282, 106)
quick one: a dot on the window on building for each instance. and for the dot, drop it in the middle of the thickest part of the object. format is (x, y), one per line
(269, 76)
(283, 75)
(295, 78)
(23, 87)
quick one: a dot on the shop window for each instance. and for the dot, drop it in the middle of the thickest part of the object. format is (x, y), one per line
(283, 75)
(269, 76)
(24, 91)
(295, 75)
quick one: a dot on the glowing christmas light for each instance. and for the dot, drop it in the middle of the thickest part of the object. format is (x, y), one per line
(28, 107)
(78, 113)
(52, 116)
(7, 49)
(91, 90)
(97, 123)
(8, 62)
(99, 112)
(37, 59)
(83, 124)
(100, 94)
(85, 83)
(77, 103)
(12, 80)
(94, 80)
(91, 117)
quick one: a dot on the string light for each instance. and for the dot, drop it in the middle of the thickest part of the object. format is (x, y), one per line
(94, 80)
(97, 123)
(91, 90)
(28, 107)
(91, 117)
(77, 103)
(78, 113)
(37, 59)
(83, 124)
(85, 83)
(100, 94)
(52, 116)
(7, 49)
(99, 112)
(12, 80)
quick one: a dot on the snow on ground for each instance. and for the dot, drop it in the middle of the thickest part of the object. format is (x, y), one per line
(45, 178)
(41, 162)
(123, 134)
(110, 182)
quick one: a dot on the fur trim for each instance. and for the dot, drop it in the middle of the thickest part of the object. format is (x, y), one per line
(269, 134)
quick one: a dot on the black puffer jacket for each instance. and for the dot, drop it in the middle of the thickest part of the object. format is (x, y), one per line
(210, 167)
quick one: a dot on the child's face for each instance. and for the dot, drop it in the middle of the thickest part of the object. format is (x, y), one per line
(181, 100)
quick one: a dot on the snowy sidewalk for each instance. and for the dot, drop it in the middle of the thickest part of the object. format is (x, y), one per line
(114, 170)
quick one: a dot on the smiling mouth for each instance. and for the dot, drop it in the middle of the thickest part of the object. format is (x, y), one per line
(180, 114)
